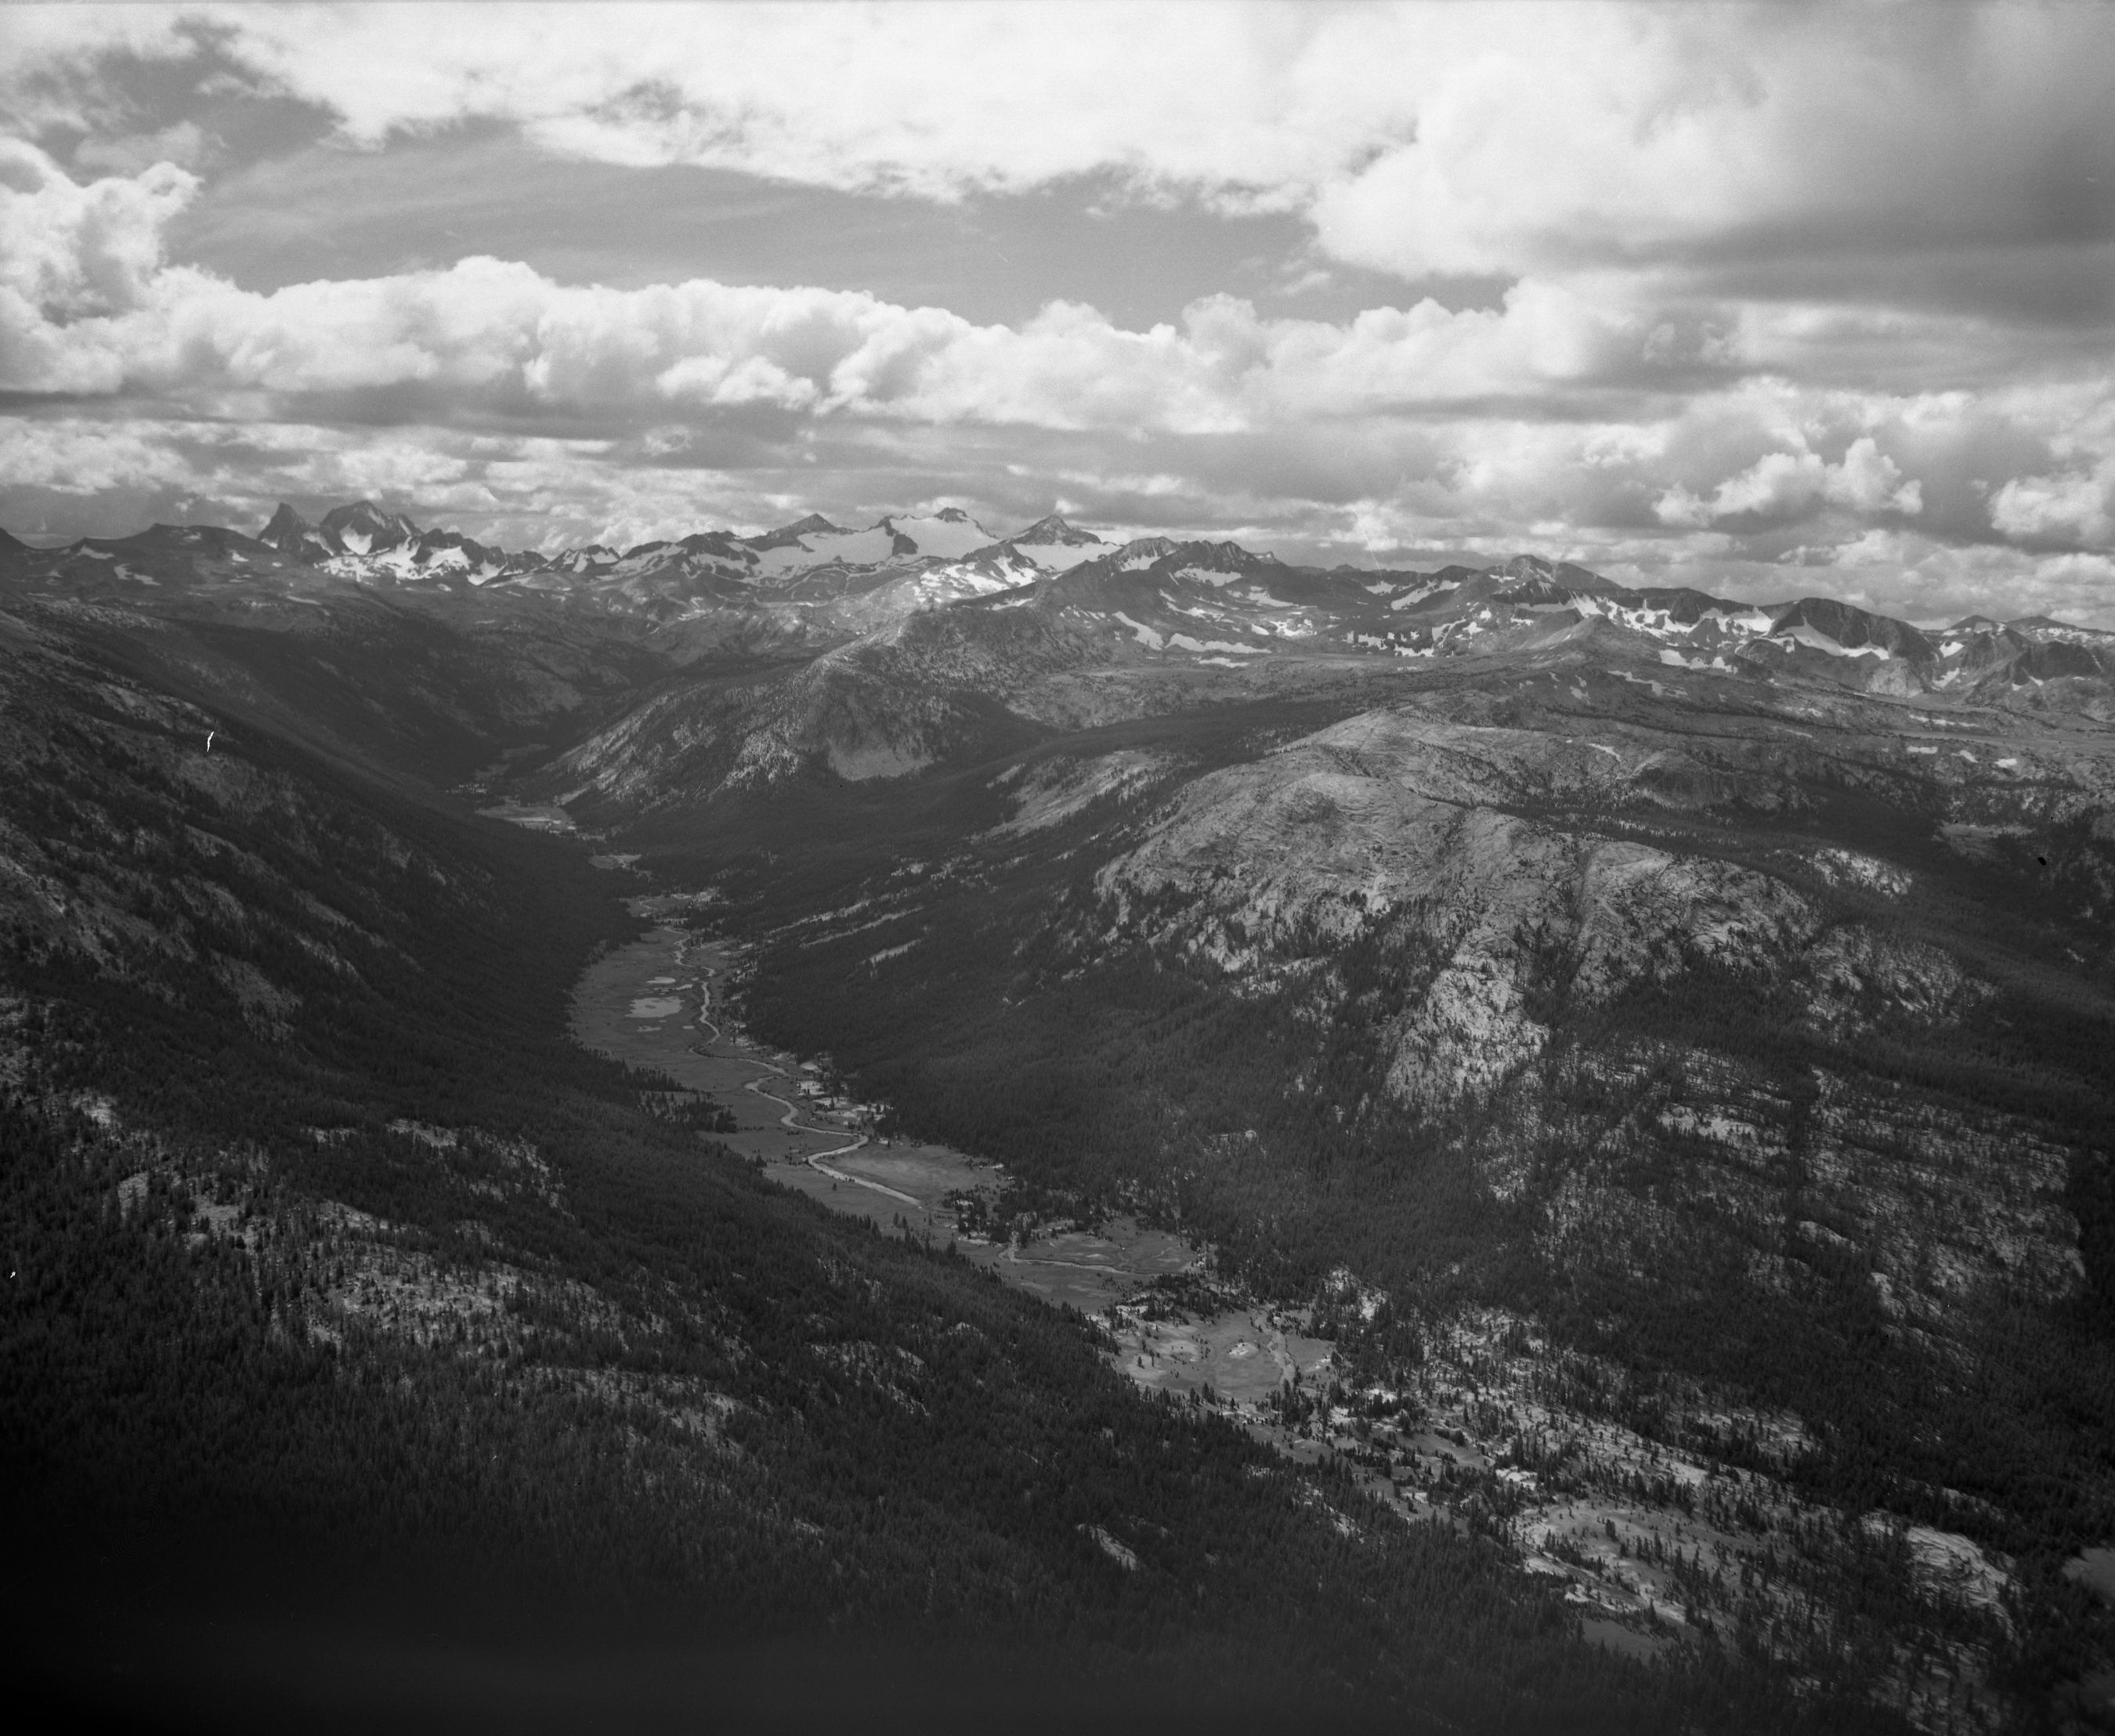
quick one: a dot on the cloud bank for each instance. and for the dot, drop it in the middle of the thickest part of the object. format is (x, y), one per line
(1777, 299)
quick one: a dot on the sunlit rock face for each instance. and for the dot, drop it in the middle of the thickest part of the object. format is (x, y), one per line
(1397, 823)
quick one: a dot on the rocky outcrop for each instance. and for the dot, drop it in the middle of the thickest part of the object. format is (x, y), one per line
(1397, 823)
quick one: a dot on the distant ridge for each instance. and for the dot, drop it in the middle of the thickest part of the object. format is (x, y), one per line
(815, 581)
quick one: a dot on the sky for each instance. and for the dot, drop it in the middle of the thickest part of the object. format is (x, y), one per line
(1777, 300)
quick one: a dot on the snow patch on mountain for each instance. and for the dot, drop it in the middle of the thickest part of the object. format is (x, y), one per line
(1147, 636)
(1184, 642)
(948, 535)
(850, 548)
(1815, 640)
(1063, 557)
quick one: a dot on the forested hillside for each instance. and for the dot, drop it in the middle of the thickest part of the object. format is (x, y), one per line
(360, 1326)
(1674, 1093)
(1766, 1083)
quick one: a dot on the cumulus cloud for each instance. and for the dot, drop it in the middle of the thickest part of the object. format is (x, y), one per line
(90, 458)
(96, 310)
(1561, 416)
(1706, 337)
(1868, 481)
(1903, 573)
(68, 251)
(1522, 138)
(1784, 485)
(2078, 506)
(1665, 136)
(184, 144)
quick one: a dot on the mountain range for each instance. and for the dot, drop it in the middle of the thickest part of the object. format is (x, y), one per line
(1208, 603)
(1659, 1046)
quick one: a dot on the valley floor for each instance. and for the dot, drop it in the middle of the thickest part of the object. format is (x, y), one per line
(1659, 1547)
(655, 1005)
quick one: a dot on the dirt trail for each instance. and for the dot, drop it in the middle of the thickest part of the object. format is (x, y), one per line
(1012, 1256)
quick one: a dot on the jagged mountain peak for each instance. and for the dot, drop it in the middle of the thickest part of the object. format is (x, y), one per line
(1049, 543)
(1540, 572)
(1152, 547)
(294, 536)
(361, 515)
(1848, 624)
(705, 542)
(1151, 550)
(1052, 530)
(787, 535)
(361, 527)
